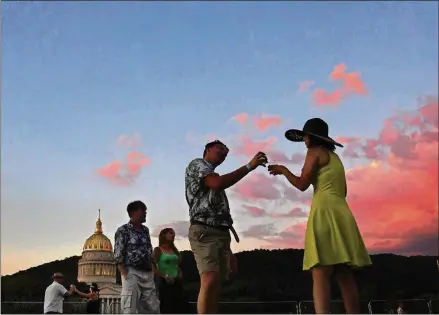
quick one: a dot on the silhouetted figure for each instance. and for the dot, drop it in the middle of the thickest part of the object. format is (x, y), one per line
(211, 222)
(333, 243)
(55, 294)
(94, 302)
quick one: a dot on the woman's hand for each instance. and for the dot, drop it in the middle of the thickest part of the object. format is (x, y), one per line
(276, 169)
(169, 279)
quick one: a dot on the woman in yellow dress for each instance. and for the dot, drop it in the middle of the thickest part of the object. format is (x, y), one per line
(333, 243)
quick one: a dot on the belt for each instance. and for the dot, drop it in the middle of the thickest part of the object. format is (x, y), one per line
(141, 267)
(220, 227)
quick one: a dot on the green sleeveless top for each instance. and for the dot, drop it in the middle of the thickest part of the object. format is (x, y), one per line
(168, 264)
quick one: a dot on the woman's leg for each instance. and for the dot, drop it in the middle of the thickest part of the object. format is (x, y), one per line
(348, 287)
(321, 276)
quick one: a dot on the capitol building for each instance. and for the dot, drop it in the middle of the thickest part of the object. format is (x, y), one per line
(97, 265)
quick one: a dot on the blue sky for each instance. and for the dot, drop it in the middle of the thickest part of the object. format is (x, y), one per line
(77, 75)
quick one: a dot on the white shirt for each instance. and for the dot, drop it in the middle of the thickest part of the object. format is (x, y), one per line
(54, 297)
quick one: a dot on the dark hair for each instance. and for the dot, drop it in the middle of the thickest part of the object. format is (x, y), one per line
(94, 287)
(134, 206)
(210, 145)
(317, 142)
(162, 240)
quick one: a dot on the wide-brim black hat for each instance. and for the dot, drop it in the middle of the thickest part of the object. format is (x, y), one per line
(315, 127)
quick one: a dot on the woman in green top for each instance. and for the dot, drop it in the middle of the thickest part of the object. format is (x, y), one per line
(333, 243)
(168, 274)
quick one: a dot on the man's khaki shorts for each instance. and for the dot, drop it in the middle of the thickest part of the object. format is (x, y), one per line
(211, 248)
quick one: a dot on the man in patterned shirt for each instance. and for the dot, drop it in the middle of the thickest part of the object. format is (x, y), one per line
(209, 211)
(133, 255)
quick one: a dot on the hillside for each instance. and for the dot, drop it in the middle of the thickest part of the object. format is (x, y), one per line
(263, 275)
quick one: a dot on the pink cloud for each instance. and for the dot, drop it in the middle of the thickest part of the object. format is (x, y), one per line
(241, 118)
(254, 211)
(248, 147)
(126, 172)
(393, 198)
(399, 210)
(262, 122)
(123, 174)
(265, 122)
(293, 213)
(351, 83)
(259, 212)
(257, 186)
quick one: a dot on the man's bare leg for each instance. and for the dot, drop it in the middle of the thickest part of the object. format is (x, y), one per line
(208, 296)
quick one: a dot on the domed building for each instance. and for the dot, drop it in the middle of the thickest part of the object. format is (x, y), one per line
(97, 265)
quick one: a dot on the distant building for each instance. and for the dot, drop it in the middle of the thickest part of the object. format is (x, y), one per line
(97, 265)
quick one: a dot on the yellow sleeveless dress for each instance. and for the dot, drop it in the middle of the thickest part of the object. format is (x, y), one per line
(332, 236)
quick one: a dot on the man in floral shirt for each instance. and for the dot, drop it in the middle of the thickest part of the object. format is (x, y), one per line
(211, 222)
(133, 255)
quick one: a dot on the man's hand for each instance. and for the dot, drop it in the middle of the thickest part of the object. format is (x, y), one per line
(259, 159)
(233, 264)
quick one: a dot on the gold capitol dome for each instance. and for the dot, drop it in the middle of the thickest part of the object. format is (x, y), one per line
(98, 241)
(97, 263)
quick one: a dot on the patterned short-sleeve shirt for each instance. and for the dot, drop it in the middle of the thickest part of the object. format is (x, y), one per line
(205, 205)
(133, 247)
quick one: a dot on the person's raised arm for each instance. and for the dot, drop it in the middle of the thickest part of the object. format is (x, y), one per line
(217, 182)
(82, 294)
(120, 251)
(303, 181)
(64, 292)
(309, 168)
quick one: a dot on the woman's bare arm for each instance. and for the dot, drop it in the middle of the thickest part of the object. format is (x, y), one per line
(311, 165)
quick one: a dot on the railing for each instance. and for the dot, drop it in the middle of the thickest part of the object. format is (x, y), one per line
(414, 306)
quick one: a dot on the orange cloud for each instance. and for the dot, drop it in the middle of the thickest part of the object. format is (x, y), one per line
(351, 83)
(125, 173)
(260, 122)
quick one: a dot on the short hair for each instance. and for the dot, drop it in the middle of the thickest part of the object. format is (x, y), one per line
(317, 142)
(134, 206)
(210, 145)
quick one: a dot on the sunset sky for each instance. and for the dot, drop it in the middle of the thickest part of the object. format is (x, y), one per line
(106, 103)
